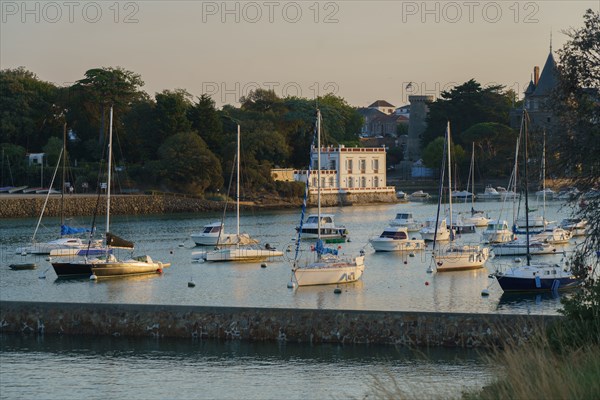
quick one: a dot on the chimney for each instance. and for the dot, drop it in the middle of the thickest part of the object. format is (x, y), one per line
(536, 75)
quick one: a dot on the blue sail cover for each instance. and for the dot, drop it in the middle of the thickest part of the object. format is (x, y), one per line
(321, 249)
(67, 230)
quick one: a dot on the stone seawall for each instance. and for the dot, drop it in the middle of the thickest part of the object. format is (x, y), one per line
(266, 324)
(30, 206)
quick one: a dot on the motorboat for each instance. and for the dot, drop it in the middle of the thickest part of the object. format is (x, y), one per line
(498, 231)
(395, 238)
(406, 220)
(506, 194)
(213, 235)
(553, 235)
(419, 195)
(460, 227)
(546, 193)
(461, 195)
(519, 248)
(567, 194)
(489, 194)
(328, 228)
(537, 224)
(428, 232)
(400, 195)
(576, 226)
(477, 218)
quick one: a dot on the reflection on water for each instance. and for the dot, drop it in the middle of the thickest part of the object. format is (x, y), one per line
(55, 367)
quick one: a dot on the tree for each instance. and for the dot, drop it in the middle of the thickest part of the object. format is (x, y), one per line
(28, 115)
(91, 97)
(576, 103)
(172, 108)
(433, 153)
(187, 165)
(494, 146)
(466, 105)
(206, 121)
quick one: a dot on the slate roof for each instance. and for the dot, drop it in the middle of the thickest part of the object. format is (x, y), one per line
(548, 79)
(381, 103)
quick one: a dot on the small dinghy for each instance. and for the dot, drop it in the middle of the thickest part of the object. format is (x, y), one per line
(23, 266)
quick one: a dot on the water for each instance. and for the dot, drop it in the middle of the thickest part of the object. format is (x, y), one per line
(55, 367)
(391, 281)
(98, 368)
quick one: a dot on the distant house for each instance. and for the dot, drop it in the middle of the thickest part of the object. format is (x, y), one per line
(403, 111)
(35, 158)
(344, 170)
(383, 106)
(377, 123)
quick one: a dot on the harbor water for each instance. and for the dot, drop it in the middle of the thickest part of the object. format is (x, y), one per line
(61, 367)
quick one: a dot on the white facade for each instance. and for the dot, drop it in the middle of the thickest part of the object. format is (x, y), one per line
(348, 169)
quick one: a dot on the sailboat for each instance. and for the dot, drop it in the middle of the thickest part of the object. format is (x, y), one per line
(534, 276)
(67, 244)
(329, 267)
(454, 257)
(474, 217)
(240, 252)
(108, 265)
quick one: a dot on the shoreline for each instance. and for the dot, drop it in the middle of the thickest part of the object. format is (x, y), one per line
(30, 205)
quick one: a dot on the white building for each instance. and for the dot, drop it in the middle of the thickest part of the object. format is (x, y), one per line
(348, 170)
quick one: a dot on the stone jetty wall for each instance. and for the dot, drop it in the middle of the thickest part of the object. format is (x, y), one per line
(347, 199)
(30, 206)
(267, 324)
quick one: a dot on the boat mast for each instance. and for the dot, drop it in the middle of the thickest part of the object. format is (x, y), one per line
(62, 195)
(544, 179)
(449, 182)
(525, 156)
(110, 128)
(472, 177)
(237, 190)
(319, 174)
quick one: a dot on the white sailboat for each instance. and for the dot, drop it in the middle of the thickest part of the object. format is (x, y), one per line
(474, 217)
(108, 265)
(239, 251)
(67, 244)
(329, 267)
(454, 257)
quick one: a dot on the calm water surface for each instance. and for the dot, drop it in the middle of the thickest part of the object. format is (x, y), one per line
(390, 282)
(56, 367)
(100, 368)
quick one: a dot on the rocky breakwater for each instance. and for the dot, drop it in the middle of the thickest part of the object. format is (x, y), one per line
(269, 324)
(29, 206)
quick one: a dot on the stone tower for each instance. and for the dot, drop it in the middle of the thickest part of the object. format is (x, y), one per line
(416, 125)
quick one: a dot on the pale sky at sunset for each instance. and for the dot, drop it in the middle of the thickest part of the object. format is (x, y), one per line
(362, 50)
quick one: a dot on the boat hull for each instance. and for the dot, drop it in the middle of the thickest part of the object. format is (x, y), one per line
(107, 269)
(512, 249)
(336, 273)
(459, 261)
(518, 284)
(241, 255)
(387, 244)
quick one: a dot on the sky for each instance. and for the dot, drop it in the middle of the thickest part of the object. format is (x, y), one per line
(360, 50)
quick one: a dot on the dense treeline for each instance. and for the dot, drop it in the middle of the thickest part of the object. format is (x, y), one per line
(170, 142)
(477, 115)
